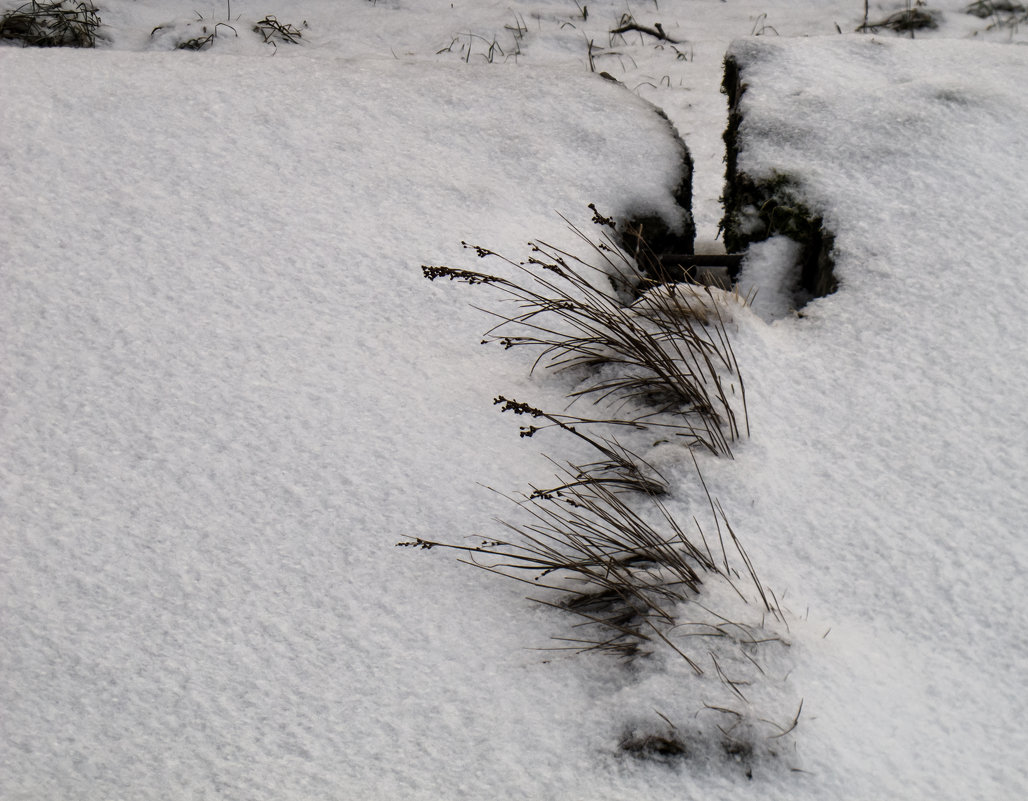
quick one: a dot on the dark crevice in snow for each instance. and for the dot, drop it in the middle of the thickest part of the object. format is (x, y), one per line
(757, 208)
(649, 236)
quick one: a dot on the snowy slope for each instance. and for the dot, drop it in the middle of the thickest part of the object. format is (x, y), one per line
(892, 435)
(227, 392)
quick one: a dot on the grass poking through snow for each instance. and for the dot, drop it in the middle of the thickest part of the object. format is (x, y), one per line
(58, 24)
(600, 542)
(665, 355)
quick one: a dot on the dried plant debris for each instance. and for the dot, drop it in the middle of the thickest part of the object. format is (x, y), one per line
(196, 34)
(620, 468)
(663, 359)
(627, 24)
(489, 49)
(58, 24)
(1008, 14)
(917, 17)
(994, 8)
(202, 33)
(274, 31)
(600, 542)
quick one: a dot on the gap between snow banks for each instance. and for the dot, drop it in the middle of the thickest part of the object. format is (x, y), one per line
(757, 209)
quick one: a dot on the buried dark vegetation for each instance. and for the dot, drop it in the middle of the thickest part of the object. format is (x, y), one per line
(1008, 14)
(757, 208)
(666, 342)
(671, 746)
(58, 24)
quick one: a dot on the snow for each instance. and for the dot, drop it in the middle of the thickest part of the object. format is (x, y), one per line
(227, 392)
(908, 496)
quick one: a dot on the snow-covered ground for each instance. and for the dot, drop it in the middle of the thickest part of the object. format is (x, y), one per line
(227, 392)
(892, 476)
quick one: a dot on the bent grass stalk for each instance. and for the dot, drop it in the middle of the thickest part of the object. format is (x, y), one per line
(667, 352)
(56, 24)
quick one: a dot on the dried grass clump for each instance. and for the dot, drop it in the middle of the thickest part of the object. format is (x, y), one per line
(626, 578)
(665, 356)
(916, 17)
(1008, 14)
(58, 24)
(599, 543)
(655, 355)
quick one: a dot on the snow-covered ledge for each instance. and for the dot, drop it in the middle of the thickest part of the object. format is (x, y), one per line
(227, 391)
(890, 445)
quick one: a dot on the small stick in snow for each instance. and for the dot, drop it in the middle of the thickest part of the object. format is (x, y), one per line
(656, 31)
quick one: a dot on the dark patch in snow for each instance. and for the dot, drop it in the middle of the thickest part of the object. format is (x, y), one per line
(757, 208)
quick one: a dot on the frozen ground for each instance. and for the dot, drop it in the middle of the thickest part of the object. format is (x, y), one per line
(227, 392)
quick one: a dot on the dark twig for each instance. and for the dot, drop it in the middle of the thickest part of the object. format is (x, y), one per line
(657, 31)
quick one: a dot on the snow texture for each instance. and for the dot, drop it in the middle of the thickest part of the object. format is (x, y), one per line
(891, 428)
